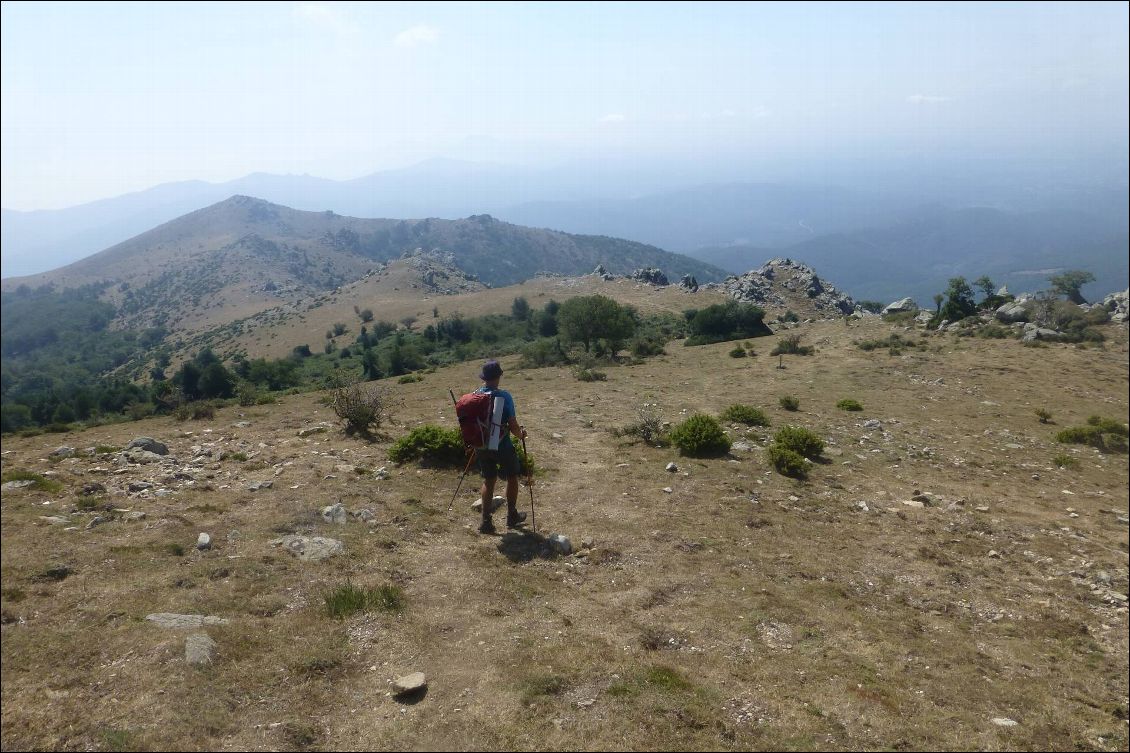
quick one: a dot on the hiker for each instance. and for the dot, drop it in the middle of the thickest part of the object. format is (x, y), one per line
(503, 461)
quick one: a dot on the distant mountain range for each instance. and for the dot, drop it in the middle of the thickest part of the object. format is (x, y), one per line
(244, 255)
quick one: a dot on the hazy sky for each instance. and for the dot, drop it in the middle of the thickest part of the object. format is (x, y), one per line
(101, 99)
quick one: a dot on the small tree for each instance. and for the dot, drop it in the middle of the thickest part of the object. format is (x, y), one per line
(363, 409)
(520, 309)
(1069, 283)
(588, 319)
(959, 301)
(985, 285)
(366, 315)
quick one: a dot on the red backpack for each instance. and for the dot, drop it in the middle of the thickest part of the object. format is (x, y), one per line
(473, 411)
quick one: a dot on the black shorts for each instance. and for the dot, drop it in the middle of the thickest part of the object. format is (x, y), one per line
(501, 462)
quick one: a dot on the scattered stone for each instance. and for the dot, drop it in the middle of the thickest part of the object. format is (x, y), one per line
(410, 683)
(141, 457)
(255, 486)
(918, 504)
(55, 520)
(312, 431)
(199, 649)
(203, 542)
(335, 514)
(241, 424)
(742, 446)
(557, 436)
(1118, 304)
(872, 423)
(97, 520)
(89, 490)
(149, 445)
(495, 503)
(366, 515)
(183, 621)
(139, 486)
(62, 452)
(862, 506)
(134, 516)
(560, 544)
(981, 508)
(310, 548)
(382, 474)
(1005, 722)
(672, 468)
(994, 554)
(668, 490)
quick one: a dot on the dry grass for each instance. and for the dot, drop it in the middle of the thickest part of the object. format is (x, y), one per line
(744, 610)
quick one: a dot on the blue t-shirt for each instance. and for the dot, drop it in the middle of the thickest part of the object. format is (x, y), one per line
(508, 412)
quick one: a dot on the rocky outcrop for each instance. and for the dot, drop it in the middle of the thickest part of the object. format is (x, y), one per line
(1015, 310)
(689, 282)
(785, 283)
(1118, 304)
(650, 275)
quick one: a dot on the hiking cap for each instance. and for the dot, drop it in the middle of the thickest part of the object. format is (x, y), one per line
(491, 370)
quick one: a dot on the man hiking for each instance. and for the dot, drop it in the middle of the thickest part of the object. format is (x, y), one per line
(504, 460)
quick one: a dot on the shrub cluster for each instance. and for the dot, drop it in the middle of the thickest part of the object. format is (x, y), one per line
(791, 445)
(700, 436)
(745, 414)
(361, 408)
(431, 445)
(790, 345)
(790, 403)
(1104, 434)
(648, 427)
(849, 404)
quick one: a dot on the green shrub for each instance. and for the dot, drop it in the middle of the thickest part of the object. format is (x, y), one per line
(700, 436)
(544, 352)
(431, 445)
(738, 352)
(787, 462)
(1043, 415)
(248, 395)
(645, 347)
(1066, 461)
(1108, 425)
(529, 464)
(590, 375)
(1104, 434)
(725, 321)
(203, 410)
(799, 440)
(788, 402)
(745, 414)
(849, 404)
(363, 409)
(410, 378)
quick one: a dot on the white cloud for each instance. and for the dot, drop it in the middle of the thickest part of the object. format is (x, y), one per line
(326, 17)
(416, 35)
(613, 117)
(927, 99)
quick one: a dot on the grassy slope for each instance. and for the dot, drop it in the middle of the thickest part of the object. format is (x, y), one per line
(700, 620)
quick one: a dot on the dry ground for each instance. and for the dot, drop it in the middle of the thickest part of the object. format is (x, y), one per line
(740, 610)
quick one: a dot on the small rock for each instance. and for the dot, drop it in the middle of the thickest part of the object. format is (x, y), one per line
(560, 544)
(89, 490)
(241, 424)
(199, 649)
(142, 457)
(495, 503)
(994, 554)
(1004, 722)
(862, 507)
(668, 490)
(135, 515)
(366, 515)
(55, 520)
(62, 452)
(97, 520)
(203, 542)
(139, 486)
(873, 423)
(382, 474)
(409, 683)
(149, 445)
(255, 486)
(335, 514)
(555, 435)
(672, 468)
(981, 508)
(311, 431)
(914, 503)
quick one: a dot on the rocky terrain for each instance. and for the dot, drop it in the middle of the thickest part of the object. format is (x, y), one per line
(949, 576)
(784, 283)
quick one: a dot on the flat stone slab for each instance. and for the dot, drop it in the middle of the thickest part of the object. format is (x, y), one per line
(199, 649)
(410, 683)
(11, 485)
(495, 503)
(148, 444)
(310, 548)
(183, 621)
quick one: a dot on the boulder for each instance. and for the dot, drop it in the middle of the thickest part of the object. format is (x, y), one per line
(689, 282)
(204, 542)
(1013, 311)
(560, 544)
(650, 275)
(335, 514)
(310, 548)
(62, 452)
(410, 683)
(903, 304)
(149, 445)
(1118, 304)
(199, 649)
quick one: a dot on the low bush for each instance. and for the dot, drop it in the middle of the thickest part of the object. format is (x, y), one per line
(589, 375)
(788, 402)
(1043, 415)
(738, 352)
(790, 346)
(787, 462)
(431, 445)
(648, 427)
(799, 440)
(745, 414)
(363, 409)
(849, 404)
(1104, 434)
(1066, 461)
(700, 436)
(39, 483)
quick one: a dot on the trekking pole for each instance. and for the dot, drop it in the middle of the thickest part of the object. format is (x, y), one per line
(470, 459)
(530, 486)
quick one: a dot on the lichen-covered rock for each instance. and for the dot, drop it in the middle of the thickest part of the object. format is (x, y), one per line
(650, 275)
(779, 280)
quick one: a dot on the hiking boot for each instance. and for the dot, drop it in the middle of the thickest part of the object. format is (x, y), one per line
(487, 526)
(515, 519)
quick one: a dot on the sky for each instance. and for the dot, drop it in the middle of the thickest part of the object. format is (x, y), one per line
(100, 99)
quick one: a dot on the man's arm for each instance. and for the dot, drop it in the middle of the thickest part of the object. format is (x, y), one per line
(516, 429)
